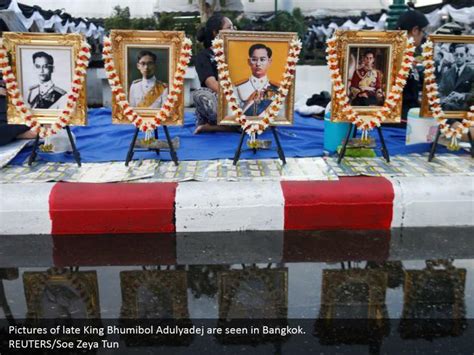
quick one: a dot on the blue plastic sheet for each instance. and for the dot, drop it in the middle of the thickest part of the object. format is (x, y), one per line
(102, 141)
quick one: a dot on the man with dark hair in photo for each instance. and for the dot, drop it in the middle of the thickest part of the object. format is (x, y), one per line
(456, 87)
(366, 83)
(257, 92)
(45, 95)
(147, 92)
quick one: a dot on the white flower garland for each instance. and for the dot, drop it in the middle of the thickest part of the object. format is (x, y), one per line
(435, 103)
(147, 125)
(17, 100)
(367, 123)
(256, 127)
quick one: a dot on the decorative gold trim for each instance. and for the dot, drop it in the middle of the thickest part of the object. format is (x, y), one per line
(173, 282)
(275, 282)
(83, 282)
(260, 37)
(121, 40)
(425, 106)
(396, 42)
(376, 281)
(13, 41)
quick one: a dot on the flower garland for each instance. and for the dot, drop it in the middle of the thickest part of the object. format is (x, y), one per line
(435, 103)
(17, 100)
(367, 123)
(166, 109)
(256, 127)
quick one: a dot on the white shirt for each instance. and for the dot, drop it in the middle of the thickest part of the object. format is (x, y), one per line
(140, 88)
(247, 88)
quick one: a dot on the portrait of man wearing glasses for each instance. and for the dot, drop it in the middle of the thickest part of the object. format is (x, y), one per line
(147, 92)
(456, 86)
(45, 94)
(257, 92)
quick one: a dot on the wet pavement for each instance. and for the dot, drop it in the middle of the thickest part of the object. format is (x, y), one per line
(407, 291)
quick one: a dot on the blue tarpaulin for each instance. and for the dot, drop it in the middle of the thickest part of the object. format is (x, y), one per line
(102, 141)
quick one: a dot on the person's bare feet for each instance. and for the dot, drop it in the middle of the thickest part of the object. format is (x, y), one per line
(206, 127)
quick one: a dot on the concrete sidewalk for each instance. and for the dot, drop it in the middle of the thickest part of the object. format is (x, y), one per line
(365, 203)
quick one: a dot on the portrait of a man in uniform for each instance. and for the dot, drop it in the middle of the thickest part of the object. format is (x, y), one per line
(148, 91)
(367, 83)
(45, 94)
(257, 92)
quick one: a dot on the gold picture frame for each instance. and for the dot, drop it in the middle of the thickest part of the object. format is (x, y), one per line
(268, 288)
(388, 48)
(43, 290)
(166, 286)
(239, 42)
(59, 47)
(164, 44)
(428, 296)
(425, 110)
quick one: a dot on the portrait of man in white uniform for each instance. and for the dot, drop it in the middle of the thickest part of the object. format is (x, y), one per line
(148, 91)
(257, 92)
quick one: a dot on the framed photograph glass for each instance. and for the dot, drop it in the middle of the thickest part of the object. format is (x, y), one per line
(146, 62)
(256, 63)
(62, 293)
(154, 294)
(369, 62)
(454, 71)
(43, 64)
(433, 294)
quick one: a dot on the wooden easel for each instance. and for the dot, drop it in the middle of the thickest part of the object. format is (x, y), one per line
(132, 148)
(281, 153)
(75, 152)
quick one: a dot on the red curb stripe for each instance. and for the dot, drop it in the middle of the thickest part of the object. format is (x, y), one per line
(128, 249)
(349, 203)
(81, 208)
(336, 246)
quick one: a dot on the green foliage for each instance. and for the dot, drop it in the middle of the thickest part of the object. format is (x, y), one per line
(121, 20)
(286, 22)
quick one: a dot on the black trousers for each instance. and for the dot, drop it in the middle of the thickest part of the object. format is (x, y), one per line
(8, 132)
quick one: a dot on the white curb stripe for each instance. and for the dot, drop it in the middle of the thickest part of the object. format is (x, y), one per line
(433, 201)
(24, 208)
(229, 206)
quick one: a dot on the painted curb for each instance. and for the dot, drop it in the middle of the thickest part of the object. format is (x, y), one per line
(352, 203)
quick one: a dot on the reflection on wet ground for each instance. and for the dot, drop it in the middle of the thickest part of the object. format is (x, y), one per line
(409, 291)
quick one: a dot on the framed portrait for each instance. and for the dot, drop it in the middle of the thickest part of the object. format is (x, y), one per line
(154, 294)
(454, 71)
(44, 64)
(369, 62)
(256, 62)
(146, 62)
(253, 293)
(353, 309)
(433, 303)
(156, 297)
(62, 294)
